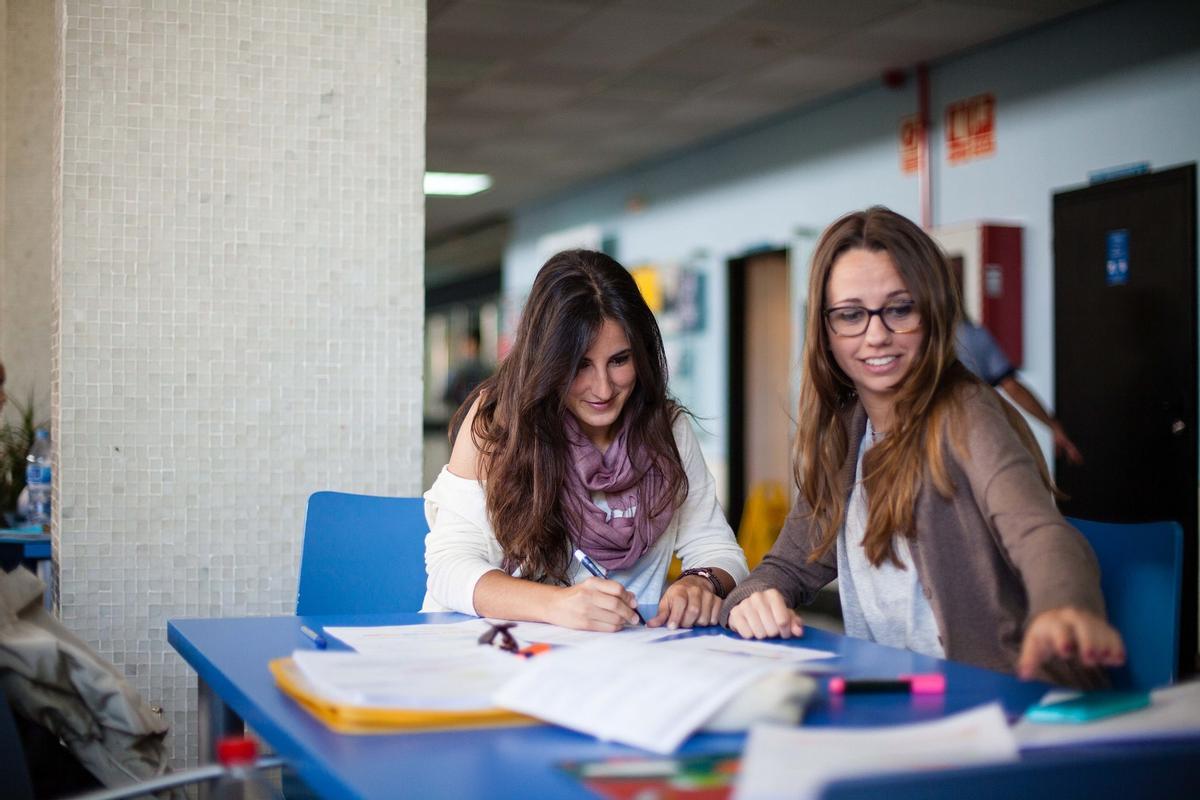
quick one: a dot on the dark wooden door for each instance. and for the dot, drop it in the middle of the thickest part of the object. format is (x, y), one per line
(1126, 357)
(760, 361)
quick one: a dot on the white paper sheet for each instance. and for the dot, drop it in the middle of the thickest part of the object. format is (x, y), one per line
(416, 681)
(458, 637)
(796, 763)
(650, 697)
(1173, 711)
(776, 651)
(448, 638)
(553, 634)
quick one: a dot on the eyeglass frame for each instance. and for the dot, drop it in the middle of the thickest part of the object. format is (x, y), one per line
(508, 643)
(871, 312)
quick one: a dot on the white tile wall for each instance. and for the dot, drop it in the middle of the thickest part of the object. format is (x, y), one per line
(239, 304)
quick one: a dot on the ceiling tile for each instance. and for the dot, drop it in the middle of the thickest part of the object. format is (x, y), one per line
(526, 18)
(736, 47)
(477, 46)
(952, 24)
(501, 96)
(818, 70)
(619, 38)
(843, 15)
(543, 94)
(456, 72)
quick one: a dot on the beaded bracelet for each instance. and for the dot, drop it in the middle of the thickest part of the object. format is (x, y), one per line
(706, 572)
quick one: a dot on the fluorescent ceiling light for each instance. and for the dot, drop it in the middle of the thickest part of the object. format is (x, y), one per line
(456, 184)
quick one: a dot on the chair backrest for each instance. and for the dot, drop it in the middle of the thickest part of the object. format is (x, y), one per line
(1141, 574)
(362, 555)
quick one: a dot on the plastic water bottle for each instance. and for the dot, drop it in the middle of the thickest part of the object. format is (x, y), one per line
(238, 755)
(37, 478)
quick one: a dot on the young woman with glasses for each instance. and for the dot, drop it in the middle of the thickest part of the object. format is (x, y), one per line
(574, 444)
(921, 490)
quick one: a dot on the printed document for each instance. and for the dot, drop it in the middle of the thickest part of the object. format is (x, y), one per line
(415, 682)
(797, 763)
(458, 637)
(775, 650)
(650, 697)
(449, 639)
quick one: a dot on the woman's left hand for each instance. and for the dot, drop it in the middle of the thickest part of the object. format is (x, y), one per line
(688, 602)
(1069, 633)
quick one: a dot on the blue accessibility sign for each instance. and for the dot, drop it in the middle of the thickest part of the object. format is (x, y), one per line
(1116, 266)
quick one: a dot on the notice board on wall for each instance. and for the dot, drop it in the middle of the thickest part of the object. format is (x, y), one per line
(971, 128)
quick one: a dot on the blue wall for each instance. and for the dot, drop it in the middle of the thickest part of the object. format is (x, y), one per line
(1104, 88)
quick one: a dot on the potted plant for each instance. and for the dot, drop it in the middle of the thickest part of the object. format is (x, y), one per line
(15, 440)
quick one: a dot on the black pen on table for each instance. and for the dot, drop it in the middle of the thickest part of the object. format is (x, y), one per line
(317, 639)
(598, 571)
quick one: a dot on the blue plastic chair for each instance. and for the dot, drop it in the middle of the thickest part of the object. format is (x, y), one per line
(362, 555)
(1141, 575)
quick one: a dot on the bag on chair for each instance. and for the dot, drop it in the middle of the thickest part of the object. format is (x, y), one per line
(53, 678)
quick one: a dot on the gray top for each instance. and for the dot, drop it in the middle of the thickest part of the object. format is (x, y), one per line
(885, 603)
(990, 557)
(978, 352)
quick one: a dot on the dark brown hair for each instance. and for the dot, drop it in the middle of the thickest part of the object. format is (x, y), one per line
(928, 402)
(518, 427)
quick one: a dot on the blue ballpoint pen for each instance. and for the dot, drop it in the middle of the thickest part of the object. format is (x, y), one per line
(317, 639)
(598, 571)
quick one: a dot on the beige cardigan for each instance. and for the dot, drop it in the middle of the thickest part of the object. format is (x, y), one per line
(993, 556)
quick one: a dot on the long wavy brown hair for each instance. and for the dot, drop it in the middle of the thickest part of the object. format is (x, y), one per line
(518, 427)
(928, 404)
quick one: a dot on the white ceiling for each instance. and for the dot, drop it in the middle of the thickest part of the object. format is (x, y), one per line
(543, 94)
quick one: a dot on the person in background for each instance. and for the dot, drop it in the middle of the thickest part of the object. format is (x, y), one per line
(468, 373)
(978, 352)
(574, 443)
(921, 490)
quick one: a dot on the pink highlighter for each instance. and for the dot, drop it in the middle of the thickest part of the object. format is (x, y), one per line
(930, 683)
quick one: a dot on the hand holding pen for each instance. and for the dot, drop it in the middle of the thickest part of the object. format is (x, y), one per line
(606, 596)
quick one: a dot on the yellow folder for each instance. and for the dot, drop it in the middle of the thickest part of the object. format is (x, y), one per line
(364, 719)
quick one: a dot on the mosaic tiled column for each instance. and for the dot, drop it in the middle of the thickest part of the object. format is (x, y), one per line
(239, 304)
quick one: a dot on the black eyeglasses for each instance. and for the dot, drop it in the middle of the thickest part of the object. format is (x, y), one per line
(498, 635)
(854, 320)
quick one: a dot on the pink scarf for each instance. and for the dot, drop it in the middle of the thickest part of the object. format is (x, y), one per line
(632, 486)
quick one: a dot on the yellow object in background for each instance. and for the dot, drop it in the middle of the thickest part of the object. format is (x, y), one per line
(649, 284)
(762, 519)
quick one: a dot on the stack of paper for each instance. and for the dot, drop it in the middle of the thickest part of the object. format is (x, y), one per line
(436, 682)
(798, 762)
(650, 697)
(615, 686)
(415, 677)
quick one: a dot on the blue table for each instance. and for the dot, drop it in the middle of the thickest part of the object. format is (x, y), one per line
(230, 658)
(31, 548)
(25, 545)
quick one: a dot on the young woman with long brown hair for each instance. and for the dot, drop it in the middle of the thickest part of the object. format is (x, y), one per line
(921, 489)
(574, 443)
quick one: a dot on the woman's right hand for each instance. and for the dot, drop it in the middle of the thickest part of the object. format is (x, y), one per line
(765, 615)
(596, 604)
